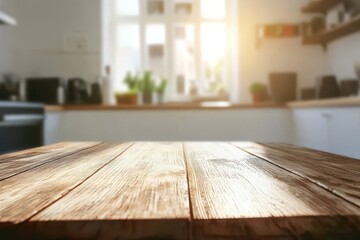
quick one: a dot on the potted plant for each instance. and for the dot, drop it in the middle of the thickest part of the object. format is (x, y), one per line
(259, 92)
(160, 90)
(131, 96)
(147, 87)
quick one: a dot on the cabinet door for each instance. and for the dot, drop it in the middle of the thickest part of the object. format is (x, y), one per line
(311, 129)
(344, 131)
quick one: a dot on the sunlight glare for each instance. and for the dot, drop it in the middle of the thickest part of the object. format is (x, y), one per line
(213, 8)
(213, 44)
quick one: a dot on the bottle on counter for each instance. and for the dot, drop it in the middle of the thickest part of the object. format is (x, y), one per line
(106, 86)
(61, 95)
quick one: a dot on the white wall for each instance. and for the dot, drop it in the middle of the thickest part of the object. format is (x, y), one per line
(280, 54)
(343, 54)
(36, 46)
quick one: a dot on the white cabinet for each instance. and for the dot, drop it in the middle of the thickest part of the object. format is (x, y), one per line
(344, 132)
(52, 132)
(335, 130)
(264, 125)
(310, 129)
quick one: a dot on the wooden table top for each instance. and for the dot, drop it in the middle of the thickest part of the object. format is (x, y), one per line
(176, 190)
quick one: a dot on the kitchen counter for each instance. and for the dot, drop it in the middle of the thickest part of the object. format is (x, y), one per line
(172, 106)
(174, 190)
(334, 102)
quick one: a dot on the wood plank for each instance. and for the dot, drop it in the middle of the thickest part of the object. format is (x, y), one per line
(319, 157)
(142, 194)
(339, 31)
(235, 195)
(320, 6)
(26, 194)
(16, 163)
(327, 171)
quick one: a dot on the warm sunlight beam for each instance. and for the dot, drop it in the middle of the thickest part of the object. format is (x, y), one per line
(213, 37)
(213, 8)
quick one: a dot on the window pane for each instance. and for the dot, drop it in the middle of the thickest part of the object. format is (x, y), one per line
(155, 49)
(213, 8)
(213, 50)
(184, 58)
(183, 8)
(155, 7)
(127, 8)
(128, 54)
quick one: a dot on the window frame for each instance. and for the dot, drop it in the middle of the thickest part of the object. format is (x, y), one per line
(170, 20)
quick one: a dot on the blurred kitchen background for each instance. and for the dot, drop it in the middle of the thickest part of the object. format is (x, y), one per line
(169, 70)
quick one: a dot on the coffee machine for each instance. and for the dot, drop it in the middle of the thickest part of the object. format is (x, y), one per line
(77, 91)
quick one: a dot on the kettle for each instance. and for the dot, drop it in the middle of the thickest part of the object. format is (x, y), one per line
(77, 92)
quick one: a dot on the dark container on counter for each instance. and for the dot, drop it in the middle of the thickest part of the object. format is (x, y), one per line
(77, 92)
(96, 95)
(43, 89)
(283, 86)
(349, 87)
(327, 87)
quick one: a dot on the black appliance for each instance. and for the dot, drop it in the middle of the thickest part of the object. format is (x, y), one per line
(4, 92)
(327, 87)
(283, 86)
(96, 95)
(21, 126)
(9, 87)
(77, 92)
(349, 87)
(44, 90)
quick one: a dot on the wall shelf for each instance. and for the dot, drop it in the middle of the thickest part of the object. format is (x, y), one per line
(320, 6)
(337, 32)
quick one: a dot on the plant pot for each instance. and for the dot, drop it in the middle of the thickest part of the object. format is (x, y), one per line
(147, 97)
(128, 99)
(260, 97)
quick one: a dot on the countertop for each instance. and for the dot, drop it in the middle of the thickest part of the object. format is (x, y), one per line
(174, 190)
(324, 103)
(172, 106)
(334, 102)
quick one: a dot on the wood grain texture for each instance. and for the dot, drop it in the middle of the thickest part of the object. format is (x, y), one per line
(16, 163)
(26, 194)
(344, 163)
(339, 175)
(143, 193)
(235, 195)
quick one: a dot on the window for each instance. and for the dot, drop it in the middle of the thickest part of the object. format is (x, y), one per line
(185, 41)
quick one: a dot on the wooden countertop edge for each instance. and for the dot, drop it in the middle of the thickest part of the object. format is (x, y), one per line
(326, 103)
(50, 108)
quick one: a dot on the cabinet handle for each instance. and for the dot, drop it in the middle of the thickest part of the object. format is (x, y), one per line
(327, 115)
